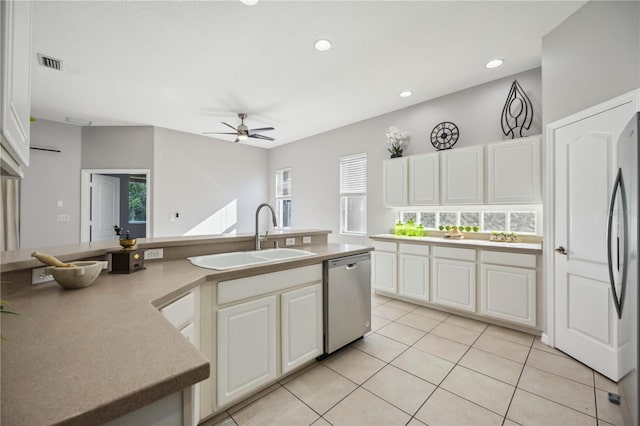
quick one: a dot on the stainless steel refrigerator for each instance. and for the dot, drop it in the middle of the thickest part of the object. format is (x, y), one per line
(623, 267)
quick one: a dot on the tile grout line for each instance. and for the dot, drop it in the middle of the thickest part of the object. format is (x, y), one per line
(515, 388)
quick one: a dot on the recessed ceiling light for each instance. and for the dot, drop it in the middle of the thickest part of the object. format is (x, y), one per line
(495, 63)
(78, 121)
(322, 45)
(406, 94)
(250, 2)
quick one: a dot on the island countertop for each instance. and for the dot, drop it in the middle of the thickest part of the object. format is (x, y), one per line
(91, 355)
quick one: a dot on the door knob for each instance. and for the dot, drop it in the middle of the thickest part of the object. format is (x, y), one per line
(561, 250)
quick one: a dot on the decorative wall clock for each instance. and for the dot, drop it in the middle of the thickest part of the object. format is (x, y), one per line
(444, 135)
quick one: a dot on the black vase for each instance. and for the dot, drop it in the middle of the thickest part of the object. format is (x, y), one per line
(396, 155)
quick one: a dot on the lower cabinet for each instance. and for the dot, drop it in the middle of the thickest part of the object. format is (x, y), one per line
(454, 283)
(414, 276)
(301, 326)
(246, 347)
(384, 271)
(508, 293)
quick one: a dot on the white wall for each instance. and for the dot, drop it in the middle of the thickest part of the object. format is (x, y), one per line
(592, 56)
(117, 147)
(51, 177)
(214, 185)
(315, 161)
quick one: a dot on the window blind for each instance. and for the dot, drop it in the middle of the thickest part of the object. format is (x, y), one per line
(353, 174)
(283, 183)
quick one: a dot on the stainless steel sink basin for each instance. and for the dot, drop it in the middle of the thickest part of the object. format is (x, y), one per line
(223, 261)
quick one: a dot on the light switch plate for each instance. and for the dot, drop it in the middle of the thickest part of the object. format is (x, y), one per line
(39, 277)
(290, 241)
(306, 240)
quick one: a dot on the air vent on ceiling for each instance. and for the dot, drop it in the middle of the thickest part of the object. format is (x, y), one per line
(49, 62)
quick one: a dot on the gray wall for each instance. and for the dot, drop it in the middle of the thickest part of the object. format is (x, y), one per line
(214, 186)
(51, 177)
(117, 147)
(593, 56)
(315, 161)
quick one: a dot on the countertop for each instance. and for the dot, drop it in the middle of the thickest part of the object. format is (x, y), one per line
(464, 242)
(91, 355)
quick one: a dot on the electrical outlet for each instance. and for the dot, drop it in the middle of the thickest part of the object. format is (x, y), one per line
(39, 277)
(156, 253)
(306, 240)
(290, 241)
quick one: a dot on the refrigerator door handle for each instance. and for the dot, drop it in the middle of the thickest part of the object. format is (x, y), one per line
(619, 184)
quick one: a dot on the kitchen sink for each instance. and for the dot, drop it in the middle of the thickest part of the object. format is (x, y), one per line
(223, 261)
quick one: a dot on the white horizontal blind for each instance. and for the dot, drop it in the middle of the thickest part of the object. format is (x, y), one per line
(283, 183)
(283, 197)
(353, 174)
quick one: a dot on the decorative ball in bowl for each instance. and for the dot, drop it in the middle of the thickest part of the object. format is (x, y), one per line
(83, 274)
(128, 243)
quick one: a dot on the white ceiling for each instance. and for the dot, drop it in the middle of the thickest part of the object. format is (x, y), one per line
(189, 65)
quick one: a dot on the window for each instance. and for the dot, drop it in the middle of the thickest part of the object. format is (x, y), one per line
(283, 198)
(137, 200)
(353, 194)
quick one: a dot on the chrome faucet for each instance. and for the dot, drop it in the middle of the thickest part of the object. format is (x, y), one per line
(275, 223)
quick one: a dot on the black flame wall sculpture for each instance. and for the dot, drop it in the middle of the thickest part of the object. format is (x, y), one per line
(517, 112)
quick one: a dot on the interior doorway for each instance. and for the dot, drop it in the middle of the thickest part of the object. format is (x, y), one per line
(115, 198)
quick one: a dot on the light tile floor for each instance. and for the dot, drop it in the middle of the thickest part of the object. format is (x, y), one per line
(422, 366)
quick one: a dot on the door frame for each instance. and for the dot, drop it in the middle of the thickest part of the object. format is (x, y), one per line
(85, 198)
(548, 335)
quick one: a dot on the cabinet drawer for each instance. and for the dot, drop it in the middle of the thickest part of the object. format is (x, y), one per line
(181, 311)
(385, 246)
(509, 259)
(454, 253)
(417, 249)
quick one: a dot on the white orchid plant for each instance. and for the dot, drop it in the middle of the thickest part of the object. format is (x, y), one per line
(397, 140)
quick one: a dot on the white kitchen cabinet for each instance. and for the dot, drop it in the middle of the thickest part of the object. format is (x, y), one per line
(301, 326)
(384, 268)
(15, 76)
(463, 175)
(424, 180)
(394, 181)
(246, 347)
(413, 271)
(454, 283)
(163, 412)
(514, 171)
(508, 286)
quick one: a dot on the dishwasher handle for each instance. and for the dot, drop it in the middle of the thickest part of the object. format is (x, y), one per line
(351, 266)
(350, 261)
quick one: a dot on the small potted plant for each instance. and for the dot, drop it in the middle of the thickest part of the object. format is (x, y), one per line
(396, 140)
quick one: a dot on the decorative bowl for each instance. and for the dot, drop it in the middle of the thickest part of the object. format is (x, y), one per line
(129, 243)
(83, 274)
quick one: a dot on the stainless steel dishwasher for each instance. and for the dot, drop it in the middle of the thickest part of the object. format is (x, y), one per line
(347, 300)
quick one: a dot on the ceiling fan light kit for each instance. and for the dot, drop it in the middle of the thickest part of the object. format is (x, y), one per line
(242, 133)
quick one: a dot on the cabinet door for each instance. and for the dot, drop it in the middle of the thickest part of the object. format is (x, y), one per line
(454, 283)
(16, 78)
(463, 176)
(424, 180)
(394, 185)
(414, 276)
(508, 293)
(384, 271)
(246, 347)
(301, 322)
(514, 171)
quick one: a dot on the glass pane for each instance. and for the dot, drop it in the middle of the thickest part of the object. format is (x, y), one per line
(448, 218)
(522, 222)
(283, 183)
(428, 219)
(137, 201)
(353, 214)
(470, 219)
(408, 215)
(495, 221)
(283, 213)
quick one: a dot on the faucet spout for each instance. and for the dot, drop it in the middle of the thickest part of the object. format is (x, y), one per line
(273, 217)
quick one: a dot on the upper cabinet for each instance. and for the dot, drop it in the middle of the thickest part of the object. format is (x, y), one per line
(514, 171)
(463, 176)
(15, 76)
(394, 176)
(424, 180)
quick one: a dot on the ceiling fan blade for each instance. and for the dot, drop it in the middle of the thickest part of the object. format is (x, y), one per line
(261, 129)
(219, 133)
(229, 125)
(257, 136)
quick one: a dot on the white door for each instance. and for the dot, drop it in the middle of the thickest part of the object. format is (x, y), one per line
(394, 175)
(105, 207)
(246, 348)
(301, 322)
(414, 276)
(454, 283)
(424, 179)
(585, 317)
(384, 271)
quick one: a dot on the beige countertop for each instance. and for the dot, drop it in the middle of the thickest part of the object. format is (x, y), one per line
(464, 242)
(91, 355)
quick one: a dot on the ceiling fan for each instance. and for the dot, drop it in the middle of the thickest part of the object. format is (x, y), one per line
(243, 132)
